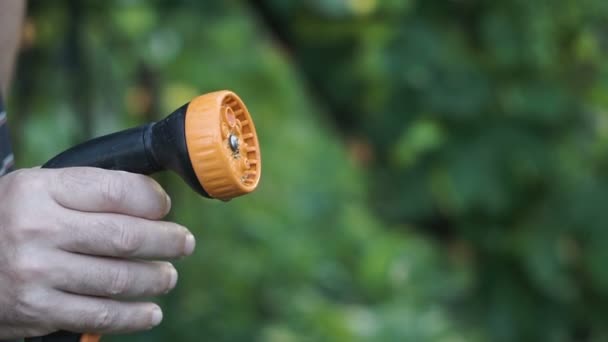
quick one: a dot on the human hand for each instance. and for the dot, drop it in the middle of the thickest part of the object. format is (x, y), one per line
(76, 244)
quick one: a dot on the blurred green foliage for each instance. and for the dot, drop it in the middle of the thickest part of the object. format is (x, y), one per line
(433, 170)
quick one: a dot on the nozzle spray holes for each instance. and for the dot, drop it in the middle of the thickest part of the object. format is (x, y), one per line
(240, 139)
(230, 117)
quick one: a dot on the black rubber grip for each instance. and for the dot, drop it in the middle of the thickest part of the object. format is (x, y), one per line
(125, 150)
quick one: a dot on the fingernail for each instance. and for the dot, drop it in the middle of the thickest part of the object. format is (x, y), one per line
(168, 201)
(190, 244)
(172, 279)
(157, 316)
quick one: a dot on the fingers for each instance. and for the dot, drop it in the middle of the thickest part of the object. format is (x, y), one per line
(117, 235)
(100, 315)
(109, 277)
(97, 190)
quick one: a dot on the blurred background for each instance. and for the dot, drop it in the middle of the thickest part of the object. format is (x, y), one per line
(433, 170)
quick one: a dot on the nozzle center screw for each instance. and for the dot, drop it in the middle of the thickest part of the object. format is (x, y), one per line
(234, 143)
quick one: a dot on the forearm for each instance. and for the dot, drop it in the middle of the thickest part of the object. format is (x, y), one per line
(11, 17)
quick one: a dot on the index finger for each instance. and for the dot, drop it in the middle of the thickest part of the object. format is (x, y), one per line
(96, 190)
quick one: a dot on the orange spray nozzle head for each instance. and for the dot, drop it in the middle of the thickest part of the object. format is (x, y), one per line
(222, 145)
(211, 143)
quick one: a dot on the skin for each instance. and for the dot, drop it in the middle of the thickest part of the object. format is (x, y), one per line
(79, 246)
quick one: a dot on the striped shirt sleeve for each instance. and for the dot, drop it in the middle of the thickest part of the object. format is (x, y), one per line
(7, 159)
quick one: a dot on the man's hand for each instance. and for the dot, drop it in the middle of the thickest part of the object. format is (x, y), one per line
(72, 245)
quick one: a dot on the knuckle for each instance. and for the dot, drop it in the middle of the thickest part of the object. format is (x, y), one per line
(16, 180)
(120, 281)
(25, 311)
(126, 241)
(27, 305)
(28, 269)
(113, 189)
(102, 320)
(27, 229)
(23, 228)
(24, 181)
(69, 179)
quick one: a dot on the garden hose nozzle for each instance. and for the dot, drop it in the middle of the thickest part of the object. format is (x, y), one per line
(222, 145)
(210, 142)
